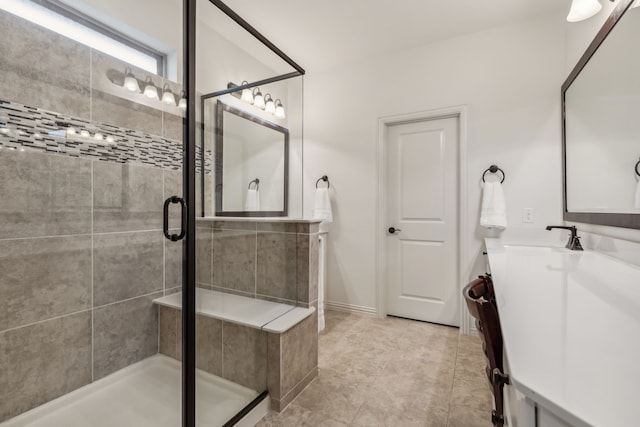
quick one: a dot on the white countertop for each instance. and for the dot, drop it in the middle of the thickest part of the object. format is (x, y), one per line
(571, 328)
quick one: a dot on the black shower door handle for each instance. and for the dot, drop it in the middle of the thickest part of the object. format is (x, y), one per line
(174, 237)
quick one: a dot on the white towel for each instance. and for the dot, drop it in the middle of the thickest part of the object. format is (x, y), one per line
(252, 203)
(494, 212)
(322, 205)
(637, 204)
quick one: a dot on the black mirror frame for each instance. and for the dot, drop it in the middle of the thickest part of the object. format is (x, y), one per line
(625, 220)
(221, 108)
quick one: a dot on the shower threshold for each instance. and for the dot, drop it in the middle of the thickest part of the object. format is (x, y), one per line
(147, 393)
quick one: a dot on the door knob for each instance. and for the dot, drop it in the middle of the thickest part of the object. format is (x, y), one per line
(393, 230)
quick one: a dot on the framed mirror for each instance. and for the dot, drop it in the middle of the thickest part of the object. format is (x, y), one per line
(252, 164)
(601, 130)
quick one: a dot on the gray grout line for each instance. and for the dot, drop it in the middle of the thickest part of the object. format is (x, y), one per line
(82, 234)
(46, 320)
(129, 299)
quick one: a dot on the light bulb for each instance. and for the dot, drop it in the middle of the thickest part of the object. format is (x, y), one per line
(583, 9)
(98, 136)
(279, 110)
(71, 131)
(110, 139)
(182, 104)
(168, 96)
(269, 105)
(130, 82)
(84, 133)
(150, 90)
(247, 96)
(258, 99)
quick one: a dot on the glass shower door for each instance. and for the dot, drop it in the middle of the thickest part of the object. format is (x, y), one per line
(91, 145)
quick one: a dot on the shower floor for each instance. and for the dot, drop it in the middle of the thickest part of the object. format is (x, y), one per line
(145, 394)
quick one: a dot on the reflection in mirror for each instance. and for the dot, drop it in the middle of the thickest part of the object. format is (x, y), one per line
(601, 128)
(252, 164)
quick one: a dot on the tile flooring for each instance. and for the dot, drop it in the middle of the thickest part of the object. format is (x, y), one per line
(392, 372)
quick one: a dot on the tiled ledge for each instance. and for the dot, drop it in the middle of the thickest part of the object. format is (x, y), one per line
(255, 313)
(258, 219)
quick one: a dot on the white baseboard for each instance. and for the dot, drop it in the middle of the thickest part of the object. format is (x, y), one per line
(350, 308)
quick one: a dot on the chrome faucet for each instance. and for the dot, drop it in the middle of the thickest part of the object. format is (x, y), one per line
(574, 240)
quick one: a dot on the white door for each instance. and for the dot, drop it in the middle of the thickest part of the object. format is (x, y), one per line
(422, 205)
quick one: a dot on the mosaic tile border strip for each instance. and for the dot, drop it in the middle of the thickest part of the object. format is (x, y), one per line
(30, 128)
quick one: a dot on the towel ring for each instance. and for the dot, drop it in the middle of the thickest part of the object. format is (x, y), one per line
(494, 169)
(638, 165)
(324, 178)
(256, 182)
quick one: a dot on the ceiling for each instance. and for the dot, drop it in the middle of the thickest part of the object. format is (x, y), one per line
(320, 35)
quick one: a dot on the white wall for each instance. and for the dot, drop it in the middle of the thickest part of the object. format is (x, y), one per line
(509, 78)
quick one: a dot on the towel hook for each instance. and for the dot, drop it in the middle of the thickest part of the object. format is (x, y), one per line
(324, 178)
(256, 182)
(638, 165)
(494, 169)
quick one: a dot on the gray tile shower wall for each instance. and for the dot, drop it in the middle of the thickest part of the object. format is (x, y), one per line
(55, 272)
(268, 259)
(81, 247)
(234, 352)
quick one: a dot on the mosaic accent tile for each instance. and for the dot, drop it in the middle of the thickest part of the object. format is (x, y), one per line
(29, 128)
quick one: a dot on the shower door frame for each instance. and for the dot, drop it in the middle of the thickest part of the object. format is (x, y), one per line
(189, 244)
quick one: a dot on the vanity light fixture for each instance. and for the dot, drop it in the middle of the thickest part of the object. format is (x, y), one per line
(258, 99)
(269, 105)
(130, 82)
(583, 9)
(247, 95)
(167, 96)
(150, 90)
(279, 109)
(182, 104)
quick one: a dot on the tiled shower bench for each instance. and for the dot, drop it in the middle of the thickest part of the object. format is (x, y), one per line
(253, 342)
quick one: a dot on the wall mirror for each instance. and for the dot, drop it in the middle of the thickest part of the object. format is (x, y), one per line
(601, 130)
(252, 164)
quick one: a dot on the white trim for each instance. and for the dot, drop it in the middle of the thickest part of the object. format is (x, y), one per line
(350, 308)
(381, 248)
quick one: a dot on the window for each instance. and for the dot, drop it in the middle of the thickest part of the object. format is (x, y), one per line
(64, 20)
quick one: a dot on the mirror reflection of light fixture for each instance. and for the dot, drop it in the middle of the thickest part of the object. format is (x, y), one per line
(269, 105)
(130, 82)
(279, 109)
(150, 90)
(258, 99)
(583, 9)
(247, 95)
(167, 96)
(182, 104)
